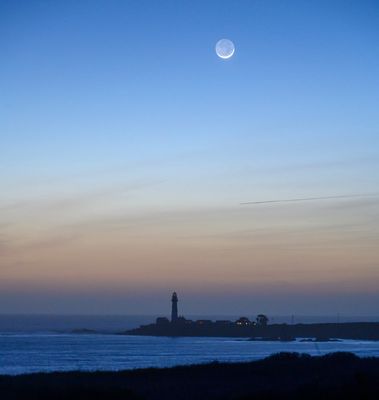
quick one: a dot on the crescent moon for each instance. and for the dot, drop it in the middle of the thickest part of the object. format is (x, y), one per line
(225, 48)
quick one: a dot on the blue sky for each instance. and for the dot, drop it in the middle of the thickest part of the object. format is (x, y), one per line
(121, 109)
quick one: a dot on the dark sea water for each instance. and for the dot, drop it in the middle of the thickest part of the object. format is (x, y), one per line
(41, 343)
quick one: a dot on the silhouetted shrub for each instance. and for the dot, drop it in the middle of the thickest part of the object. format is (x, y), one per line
(284, 356)
(340, 356)
(284, 376)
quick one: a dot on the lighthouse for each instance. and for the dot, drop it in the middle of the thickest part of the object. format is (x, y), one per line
(174, 307)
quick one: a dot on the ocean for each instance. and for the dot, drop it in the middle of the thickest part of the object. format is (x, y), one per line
(44, 344)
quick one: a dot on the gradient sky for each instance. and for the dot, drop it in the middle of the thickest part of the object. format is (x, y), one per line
(127, 146)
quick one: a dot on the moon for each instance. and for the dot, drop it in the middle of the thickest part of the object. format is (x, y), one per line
(225, 48)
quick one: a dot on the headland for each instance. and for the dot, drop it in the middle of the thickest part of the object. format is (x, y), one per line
(256, 329)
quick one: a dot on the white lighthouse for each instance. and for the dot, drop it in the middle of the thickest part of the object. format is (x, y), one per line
(174, 307)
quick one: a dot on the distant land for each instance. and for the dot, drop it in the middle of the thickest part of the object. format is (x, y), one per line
(260, 329)
(282, 332)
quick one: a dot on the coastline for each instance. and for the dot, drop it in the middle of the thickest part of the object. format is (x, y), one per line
(322, 331)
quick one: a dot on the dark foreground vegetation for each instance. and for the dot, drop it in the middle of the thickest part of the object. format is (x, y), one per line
(281, 376)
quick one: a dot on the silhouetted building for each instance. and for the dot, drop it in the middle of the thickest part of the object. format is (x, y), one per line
(243, 321)
(181, 320)
(162, 321)
(203, 322)
(222, 322)
(174, 307)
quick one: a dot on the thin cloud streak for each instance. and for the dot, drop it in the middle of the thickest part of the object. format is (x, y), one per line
(347, 196)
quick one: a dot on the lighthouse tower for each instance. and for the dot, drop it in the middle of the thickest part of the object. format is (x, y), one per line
(174, 307)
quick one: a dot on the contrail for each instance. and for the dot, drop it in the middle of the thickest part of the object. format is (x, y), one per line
(346, 196)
